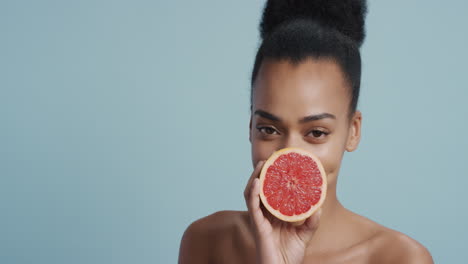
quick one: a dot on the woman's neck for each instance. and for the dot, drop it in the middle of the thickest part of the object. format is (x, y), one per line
(333, 221)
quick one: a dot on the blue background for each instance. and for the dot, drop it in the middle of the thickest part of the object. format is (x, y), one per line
(121, 122)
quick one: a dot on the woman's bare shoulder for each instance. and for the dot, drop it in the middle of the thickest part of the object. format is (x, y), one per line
(385, 245)
(204, 234)
(220, 221)
(391, 246)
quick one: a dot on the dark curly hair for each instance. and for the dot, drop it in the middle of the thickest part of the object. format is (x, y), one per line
(321, 29)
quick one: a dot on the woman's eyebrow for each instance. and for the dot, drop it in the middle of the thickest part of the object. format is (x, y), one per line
(267, 115)
(316, 117)
(306, 119)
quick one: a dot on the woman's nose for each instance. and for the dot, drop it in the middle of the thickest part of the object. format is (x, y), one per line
(293, 140)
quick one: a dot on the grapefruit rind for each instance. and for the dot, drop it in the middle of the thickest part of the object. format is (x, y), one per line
(300, 217)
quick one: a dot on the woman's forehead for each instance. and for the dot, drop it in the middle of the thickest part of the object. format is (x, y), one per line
(301, 89)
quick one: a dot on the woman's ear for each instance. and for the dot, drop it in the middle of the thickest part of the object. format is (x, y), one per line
(250, 130)
(354, 134)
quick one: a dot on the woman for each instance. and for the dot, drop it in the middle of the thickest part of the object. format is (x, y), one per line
(305, 89)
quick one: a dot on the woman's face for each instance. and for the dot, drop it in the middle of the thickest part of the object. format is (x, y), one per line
(303, 105)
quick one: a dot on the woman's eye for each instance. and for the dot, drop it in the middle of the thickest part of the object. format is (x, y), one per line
(267, 130)
(318, 133)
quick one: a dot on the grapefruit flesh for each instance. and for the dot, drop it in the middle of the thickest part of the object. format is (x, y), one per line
(293, 184)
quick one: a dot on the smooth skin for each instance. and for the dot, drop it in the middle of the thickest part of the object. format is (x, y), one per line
(303, 105)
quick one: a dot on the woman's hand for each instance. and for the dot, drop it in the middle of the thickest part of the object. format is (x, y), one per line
(277, 242)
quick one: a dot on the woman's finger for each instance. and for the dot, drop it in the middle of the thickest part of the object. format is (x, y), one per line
(254, 203)
(254, 175)
(313, 221)
(309, 227)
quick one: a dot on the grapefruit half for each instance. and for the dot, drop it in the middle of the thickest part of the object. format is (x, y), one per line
(293, 184)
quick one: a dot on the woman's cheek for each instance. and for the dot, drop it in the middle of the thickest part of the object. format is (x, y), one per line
(262, 150)
(330, 156)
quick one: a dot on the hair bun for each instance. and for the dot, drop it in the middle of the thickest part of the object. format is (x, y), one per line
(345, 16)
